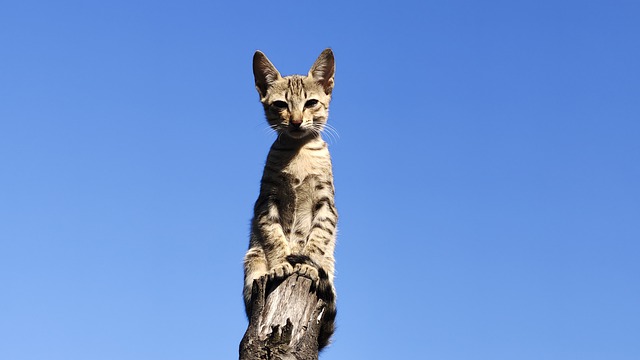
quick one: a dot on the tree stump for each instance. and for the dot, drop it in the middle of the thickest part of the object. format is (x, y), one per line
(284, 320)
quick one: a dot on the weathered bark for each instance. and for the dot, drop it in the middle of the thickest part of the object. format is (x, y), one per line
(284, 322)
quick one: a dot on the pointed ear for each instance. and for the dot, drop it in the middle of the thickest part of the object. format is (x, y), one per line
(264, 73)
(323, 70)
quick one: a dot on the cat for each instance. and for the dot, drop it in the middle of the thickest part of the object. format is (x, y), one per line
(294, 225)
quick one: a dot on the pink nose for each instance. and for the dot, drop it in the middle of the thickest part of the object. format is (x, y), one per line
(296, 121)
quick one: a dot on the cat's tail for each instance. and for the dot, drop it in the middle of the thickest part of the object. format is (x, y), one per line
(324, 291)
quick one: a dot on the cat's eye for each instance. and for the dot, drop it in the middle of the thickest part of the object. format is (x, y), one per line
(280, 105)
(311, 103)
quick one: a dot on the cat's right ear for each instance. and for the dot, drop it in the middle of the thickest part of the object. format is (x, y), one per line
(264, 73)
(324, 69)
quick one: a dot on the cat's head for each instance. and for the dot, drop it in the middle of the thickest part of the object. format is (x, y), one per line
(296, 106)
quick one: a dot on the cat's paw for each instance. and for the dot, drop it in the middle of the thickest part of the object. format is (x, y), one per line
(307, 270)
(280, 271)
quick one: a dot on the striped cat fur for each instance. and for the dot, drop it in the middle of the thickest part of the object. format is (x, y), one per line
(294, 225)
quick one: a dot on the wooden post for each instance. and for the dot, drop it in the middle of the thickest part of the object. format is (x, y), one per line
(285, 320)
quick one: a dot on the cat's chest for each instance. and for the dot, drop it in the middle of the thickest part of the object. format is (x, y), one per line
(308, 164)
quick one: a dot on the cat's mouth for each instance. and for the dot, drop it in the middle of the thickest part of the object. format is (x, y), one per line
(297, 132)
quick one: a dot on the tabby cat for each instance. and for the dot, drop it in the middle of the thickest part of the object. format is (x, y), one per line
(294, 223)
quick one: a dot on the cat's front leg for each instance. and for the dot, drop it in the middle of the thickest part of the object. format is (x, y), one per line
(321, 241)
(274, 243)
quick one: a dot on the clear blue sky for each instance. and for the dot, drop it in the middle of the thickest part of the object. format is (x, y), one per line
(487, 175)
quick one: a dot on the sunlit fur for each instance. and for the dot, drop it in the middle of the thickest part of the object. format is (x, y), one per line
(294, 223)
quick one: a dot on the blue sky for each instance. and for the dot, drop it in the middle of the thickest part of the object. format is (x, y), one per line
(487, 175)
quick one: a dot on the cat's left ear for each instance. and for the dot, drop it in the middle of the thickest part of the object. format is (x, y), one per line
(264, 73)
(323, 70)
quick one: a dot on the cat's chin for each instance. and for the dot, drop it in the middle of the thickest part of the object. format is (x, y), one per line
(297, 134)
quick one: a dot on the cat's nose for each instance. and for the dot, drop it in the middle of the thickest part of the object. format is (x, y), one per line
(296, 123)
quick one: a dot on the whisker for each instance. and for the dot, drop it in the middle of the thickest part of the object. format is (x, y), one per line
(268, 129)
(332, 133)
(332, 129)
